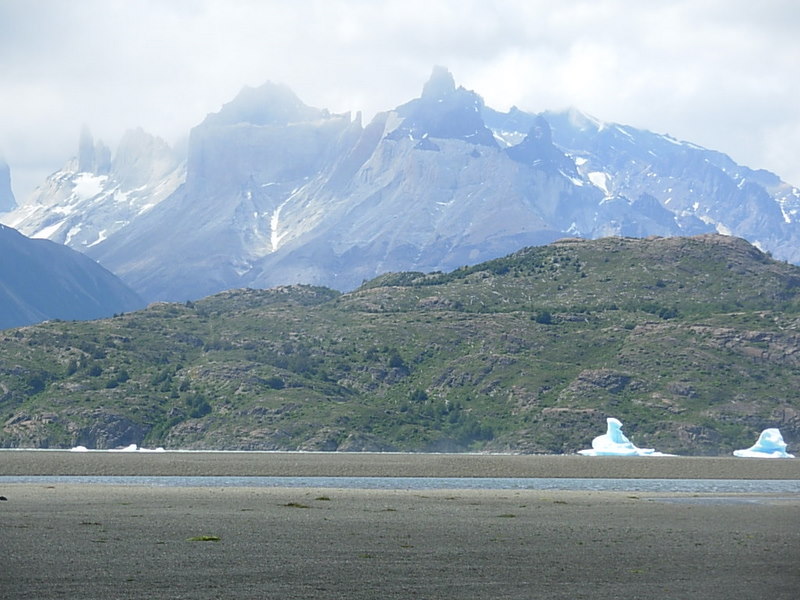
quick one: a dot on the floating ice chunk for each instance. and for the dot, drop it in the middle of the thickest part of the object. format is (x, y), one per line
(614, 443)
(770, 444)
(131, 448)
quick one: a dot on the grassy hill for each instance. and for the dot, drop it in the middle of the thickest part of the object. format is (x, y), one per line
(692, 342)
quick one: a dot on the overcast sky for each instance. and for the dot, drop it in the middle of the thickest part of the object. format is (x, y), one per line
(720, 73)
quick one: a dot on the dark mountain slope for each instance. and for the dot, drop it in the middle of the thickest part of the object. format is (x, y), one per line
(41, 280)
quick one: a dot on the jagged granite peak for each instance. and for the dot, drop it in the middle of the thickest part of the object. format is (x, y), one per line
(141, 158)
(704, 190)
(85, 151)
(92, 157)
(537, 149)
(41, 280)
(81, 208)
(509, 128)
(440, 85)
(7, 200)
(516, 119)
(443, 111)
(246, 165)
(268, 104)
(265, 136)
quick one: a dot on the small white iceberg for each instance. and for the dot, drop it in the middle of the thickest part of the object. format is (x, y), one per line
(135, 448)
(131, 448)
(614, 443)
(770, 444)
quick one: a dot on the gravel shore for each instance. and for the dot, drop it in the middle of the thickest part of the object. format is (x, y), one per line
(109, 541)
(355, 464)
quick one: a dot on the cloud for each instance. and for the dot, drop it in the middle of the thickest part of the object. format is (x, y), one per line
(721, 74)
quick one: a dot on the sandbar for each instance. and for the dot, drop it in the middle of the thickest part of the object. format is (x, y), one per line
(357, 464)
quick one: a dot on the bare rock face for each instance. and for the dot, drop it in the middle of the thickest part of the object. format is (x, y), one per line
(107, 430)
(93, 157)
(7, 200)
(97, 429)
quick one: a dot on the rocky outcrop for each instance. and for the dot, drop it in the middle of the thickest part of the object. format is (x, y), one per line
(97, 429)
(103, 429)
(780, 348)
(93, 157)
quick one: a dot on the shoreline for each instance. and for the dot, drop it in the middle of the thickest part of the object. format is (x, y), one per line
(324, 464)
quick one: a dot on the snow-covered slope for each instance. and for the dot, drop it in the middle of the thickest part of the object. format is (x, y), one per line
(656, 185)
(93, 197)
(275, 192)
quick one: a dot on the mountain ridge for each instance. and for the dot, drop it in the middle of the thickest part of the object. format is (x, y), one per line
(42, 280)
(692, 342)
(276, 192)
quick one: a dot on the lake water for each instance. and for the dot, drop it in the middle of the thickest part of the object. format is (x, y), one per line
(700, 486)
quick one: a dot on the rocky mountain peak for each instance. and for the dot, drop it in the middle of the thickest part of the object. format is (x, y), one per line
(7, 200)
(92, 157)
(268, 104)
(540, 132)
(85, 151)
(142, 158)
(537, 148)
(440, 85)
(444, 111)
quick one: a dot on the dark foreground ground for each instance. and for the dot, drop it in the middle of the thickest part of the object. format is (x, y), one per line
(102, 541)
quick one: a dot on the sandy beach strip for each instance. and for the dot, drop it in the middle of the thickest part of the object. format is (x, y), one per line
(105, 541)
(296, 464)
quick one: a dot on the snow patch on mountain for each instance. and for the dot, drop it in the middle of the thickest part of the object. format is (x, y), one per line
(82, 208)
(600, 180)
(86, 186)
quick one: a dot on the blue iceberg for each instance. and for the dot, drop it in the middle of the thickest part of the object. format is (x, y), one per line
(770, 444)
(614, 443)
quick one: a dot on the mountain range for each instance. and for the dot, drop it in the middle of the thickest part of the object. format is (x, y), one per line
(271, 191)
